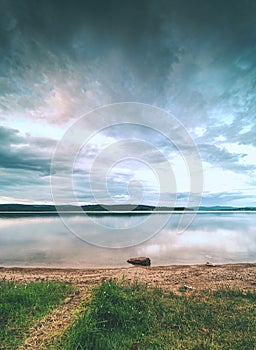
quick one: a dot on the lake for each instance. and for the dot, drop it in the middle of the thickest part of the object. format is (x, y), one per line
(109, 240)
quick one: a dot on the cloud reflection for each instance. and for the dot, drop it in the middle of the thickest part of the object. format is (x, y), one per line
(47, 242)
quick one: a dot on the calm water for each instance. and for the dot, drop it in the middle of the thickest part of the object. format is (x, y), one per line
(109, 240)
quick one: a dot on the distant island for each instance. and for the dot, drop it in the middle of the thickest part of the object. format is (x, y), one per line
(226, 208)
(33, 209)
(12, 208)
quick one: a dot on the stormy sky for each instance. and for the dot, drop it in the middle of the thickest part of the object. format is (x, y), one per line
(59, 60)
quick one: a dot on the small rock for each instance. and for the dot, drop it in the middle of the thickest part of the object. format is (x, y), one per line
(139, 261)
(185, 288)
(210, 264)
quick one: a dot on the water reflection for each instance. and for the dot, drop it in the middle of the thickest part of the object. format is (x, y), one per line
(46, 241)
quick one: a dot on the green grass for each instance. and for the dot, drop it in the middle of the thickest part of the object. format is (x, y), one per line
(120, 314)
(21, 305)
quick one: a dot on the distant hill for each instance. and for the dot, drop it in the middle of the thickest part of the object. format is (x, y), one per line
(27, 209)
(226, 208)
(90, 207)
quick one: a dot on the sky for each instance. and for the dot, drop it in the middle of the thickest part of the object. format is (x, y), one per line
(194, 60)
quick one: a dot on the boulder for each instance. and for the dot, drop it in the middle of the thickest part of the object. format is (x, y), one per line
(139, 261)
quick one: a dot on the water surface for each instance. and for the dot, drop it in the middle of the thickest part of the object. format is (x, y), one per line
(47, 241)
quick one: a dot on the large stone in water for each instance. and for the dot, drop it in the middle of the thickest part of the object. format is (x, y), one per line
(139, 261)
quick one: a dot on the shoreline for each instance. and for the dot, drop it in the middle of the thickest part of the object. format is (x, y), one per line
(168, 277)
(66, 268)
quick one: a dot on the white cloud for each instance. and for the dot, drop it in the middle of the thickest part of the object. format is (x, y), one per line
(248, 151)
(200, 131)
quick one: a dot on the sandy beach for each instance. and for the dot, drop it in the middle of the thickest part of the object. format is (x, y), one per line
(172, 277)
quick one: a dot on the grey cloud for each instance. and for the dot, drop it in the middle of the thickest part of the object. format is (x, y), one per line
(101, 52)
(19, 185)
(96, 52)
(227, 198)
(222, 158)
(42, 142)
(8, 136)
(248, 137)
(24, 160)
(20, 152)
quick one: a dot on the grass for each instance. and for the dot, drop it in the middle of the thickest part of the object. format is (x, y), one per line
(120, 315)
(21, 305)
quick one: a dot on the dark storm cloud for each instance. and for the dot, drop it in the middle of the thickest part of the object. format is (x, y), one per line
(128, 25)
(110, 51)
(22, 152)
(120, 42)
(89, 29)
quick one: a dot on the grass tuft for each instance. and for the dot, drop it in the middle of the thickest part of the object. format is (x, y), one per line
(21, 305)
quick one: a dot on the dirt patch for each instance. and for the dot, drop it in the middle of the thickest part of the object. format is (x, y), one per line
(53, 324)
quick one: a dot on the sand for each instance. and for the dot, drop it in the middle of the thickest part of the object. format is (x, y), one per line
(171, 277)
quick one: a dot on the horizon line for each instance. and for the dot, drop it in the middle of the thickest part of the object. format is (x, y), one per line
(127, 212)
